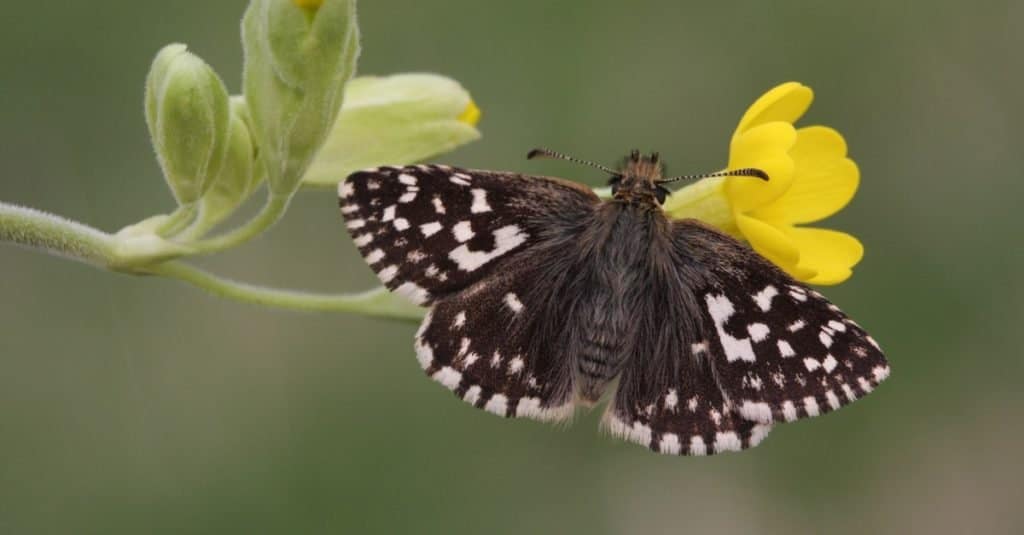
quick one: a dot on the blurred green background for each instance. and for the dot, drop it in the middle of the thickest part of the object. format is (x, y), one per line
(132, 405)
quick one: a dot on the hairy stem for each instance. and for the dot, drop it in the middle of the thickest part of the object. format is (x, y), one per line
(54, 234)
(270, 213)
(377, 302)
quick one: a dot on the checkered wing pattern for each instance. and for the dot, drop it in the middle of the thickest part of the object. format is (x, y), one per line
(430, 230)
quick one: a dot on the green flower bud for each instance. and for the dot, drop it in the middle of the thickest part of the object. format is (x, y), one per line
(187, 115)
(395, 120)
(297, 63)
(237, 177)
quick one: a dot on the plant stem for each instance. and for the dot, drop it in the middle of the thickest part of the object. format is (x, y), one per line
(378, 302)
(39, 230)
(269, 214)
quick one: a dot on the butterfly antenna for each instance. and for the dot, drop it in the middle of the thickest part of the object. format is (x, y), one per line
(545, 153)
(746, 171)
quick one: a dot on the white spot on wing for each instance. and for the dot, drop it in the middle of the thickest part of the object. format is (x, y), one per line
(374, 256)
(459, 179)
(401, 223)
(825, 339)
(671, 399)
(438, 205)
(356, 223)
(513, 302)
(721, 310)
(811, 364)
(728, 441)
(363, 240)
(407, 179)
(758, 432)
(345, 189)
(388, 273)
(697, 446)
(833, 401)
(829, 363)
(785, 350)
(472, 394)
(498, 404)
(480, 205)
(505, 239)
(463, 231)
(516, 365)
(764, 298)
(460, 320)
(389, 213)
(756, 411)
(758, 331)
(811, 406)
(429, 229)
(788, 411)
(797, 325)
(407, 197)
(349, 209)
(449, 377)
(669, 444)
(837, 326)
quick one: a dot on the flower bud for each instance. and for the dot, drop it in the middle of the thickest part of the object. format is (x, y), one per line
(237, 177)
(297, 61)
(395, 120)
(187, 115)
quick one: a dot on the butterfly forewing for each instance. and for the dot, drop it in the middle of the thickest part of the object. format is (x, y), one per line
(430, 230)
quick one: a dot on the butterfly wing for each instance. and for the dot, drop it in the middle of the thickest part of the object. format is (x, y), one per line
(475, 245)
(764, 349)
(430, 230)
(780, 350)
(482, 344)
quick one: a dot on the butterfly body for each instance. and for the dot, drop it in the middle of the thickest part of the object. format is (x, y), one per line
(544, 297)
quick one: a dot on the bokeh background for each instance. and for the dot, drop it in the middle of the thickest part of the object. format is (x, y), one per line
(132, 405)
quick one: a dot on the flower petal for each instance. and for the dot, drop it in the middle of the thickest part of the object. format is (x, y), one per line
(824, 180)
(765, 147)
(394, 120)
(830, 253)
(786, 102)
(771, 242)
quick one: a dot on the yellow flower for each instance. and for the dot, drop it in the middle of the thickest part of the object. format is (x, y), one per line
(810, 179)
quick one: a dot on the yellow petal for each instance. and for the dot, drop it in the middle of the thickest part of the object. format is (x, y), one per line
(786, 102)
(830, 253)
(824, 180)
(771, 242)
(470, 115)
(765, 147)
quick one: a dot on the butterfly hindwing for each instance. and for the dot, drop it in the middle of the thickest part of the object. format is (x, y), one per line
(479, 343)
(428, 230)
(780, 350)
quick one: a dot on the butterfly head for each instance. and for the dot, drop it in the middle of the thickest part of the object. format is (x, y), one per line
(640, 179)
(637, 181)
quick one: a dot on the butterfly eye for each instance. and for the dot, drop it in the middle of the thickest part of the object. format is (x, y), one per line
(661, 194)
(614, 183)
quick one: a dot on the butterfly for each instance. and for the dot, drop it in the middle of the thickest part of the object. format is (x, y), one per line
(544, 297)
